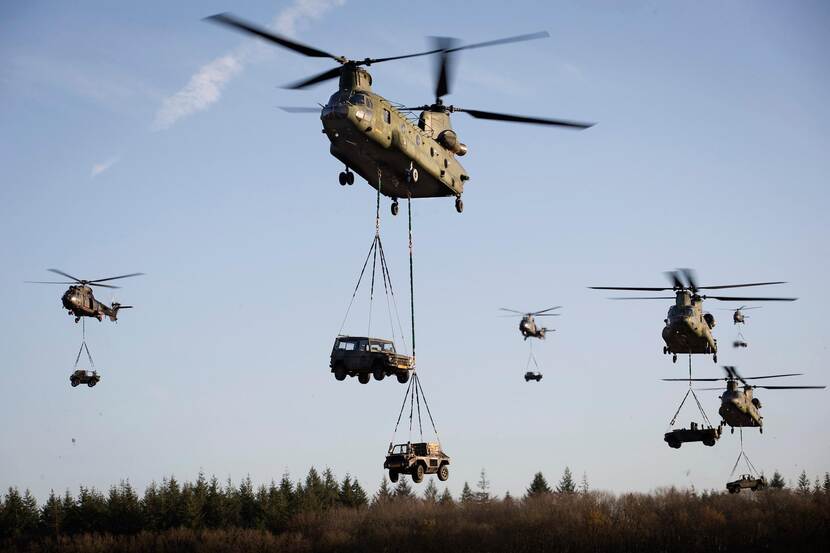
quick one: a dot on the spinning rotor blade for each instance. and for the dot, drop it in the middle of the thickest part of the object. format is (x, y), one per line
(546, 314)
(771, 376)
(634, 288)
(292, 109)
(694, 380)
(493, 116)
(646, 298)
(691, 279)
(115, 277)
(319, 78)
(102, 285)
(512, 311)
(59, 272)
(741, 298)
(232, 21)
(674, 277)
(546, 310)
(739, 285)
(791, 387)
(46, 282)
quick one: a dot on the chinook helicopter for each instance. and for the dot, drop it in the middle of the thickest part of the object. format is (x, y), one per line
(379, 140)
(79, 301)
(688, 328)
(738, 406)
(528, 327)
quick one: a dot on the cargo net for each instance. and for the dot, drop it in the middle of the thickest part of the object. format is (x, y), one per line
(691, 392)
(415, 395)
(743, 456)
(83, 348)
(378, 257)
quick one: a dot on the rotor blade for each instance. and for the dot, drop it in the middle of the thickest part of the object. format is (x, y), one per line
(791, 387)
(46, 282)
(116, 277)
(546, 310)
(508, 40)
(512, 310)
(478, 114)
(103, 285)
(370, 61)
(739, 285)
(709, 389)
(318, 78)
(443, 68)
(546, 314)
(292, 109)
(646, 298)
(693, 380)
(741, 298)
(748, 308)
(691, 278)
(59, 272)
(629, 288)
(771, 376)
(232, 21)
(674, 277)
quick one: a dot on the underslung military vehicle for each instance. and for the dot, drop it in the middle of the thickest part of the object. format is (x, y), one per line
(81, 376)
(746, 482)
(695, 433)
(364, 357)
(79, 301)
(396, 153)
(688, 329)
(530, 375)
(417, 460)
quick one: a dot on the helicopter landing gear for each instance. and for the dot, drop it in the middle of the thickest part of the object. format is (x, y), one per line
(346, 177)
(715, 358)
(459, 205)
(665, 350)
(394, 206)
(412, 174)
(733, 430)
(761, 429)
(77, 319)
(674, 358)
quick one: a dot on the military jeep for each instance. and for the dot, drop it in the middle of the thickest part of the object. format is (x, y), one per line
(364, 357)
(746, 481)
(417, 460)
(529, 375)
(81, 376)
(695, 433)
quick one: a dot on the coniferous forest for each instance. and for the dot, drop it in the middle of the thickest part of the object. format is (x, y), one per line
(322, 513)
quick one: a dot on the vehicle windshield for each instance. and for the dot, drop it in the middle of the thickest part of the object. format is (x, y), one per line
(400, 449)
(347, 345)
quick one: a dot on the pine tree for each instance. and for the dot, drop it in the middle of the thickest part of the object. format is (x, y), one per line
(777, 481)
(287, 494)
(539, 486)
(403, 491)
(20, 515)
(803, 486)
(826, 482)
(214, 505)
(359, 497)
(51, 516)
(467, 495)
(250, 515)
(583, 486)
(817, 486)
(431, 492)
(566, 484)
(123, 510)
(508, 499)
(195, 503)
(344, 493)
(483, 486)
(383, 494)
(446, 497)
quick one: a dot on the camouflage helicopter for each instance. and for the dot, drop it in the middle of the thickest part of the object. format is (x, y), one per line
(528, 327)
(738, 316)
(738, 406)
(688, 329)
(79, 301)
(380, 140)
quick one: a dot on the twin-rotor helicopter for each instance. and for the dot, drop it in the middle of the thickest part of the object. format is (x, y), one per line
(528, 327)
(688, 329)
(396, 154)
(79, 300)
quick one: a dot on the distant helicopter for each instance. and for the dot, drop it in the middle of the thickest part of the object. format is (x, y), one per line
(738, 406)
(376, 138)
(688, 329)
(528, 326)
(738, 316)
(79, 300)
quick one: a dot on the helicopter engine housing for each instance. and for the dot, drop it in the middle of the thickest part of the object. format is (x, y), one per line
(710, 320)
(449, 140)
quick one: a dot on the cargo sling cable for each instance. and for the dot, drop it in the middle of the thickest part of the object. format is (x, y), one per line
(690, 391)
(84, 347)
(530, 358)
(743, 455)
(376, 251)
(414, 394)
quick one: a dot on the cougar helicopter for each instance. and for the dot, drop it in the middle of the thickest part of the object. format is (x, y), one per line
(738, 405)
(79, 300)
(380, 140)
(688, 329)
(528, 327)
(738, 316)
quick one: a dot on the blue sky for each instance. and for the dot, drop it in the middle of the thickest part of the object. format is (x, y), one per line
(137, 137)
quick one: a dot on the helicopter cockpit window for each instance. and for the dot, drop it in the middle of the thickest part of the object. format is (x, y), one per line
(335, 99)
(359, 100)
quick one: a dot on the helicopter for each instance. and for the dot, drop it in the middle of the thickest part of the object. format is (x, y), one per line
(738, 406)
(79, 301)
(687, 328)
(381, 141)
(528, 327)
(738, 316)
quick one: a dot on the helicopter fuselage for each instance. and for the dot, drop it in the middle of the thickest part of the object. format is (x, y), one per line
(528, 328)
(79, 301)
(688, 329)
(739, 408)
(378, 142)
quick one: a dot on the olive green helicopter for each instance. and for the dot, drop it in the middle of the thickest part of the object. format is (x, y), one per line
(398, 155)
(688, 329)
(739, 408)
(79, 300)
(527, 326)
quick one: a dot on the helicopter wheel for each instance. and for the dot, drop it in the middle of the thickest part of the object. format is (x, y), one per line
(395, 207)
(77, 319)
(674, 358)
(715, 358)
(732, 430)
(349, 178)
(459, 205)
(761, 429)
(343, 178)
(665, 350)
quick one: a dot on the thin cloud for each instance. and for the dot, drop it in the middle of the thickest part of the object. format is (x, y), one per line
(98, 168)
(205, 87)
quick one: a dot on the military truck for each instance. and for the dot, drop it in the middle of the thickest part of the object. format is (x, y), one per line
(417, 460)
(81, 376)
(747, 481)
(364, 357)
(532, 376)
(695, 433)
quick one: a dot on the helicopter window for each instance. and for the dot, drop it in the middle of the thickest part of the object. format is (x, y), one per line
(446, 163)
(418, 139)
(359, 99)
(431, 151)
(335, 99)
(387, 117)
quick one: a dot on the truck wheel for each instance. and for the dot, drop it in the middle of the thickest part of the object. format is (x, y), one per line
(74, 383)
(675, 445)
(709, 443)
(378, 372)
(418, 473)
(91, 383)
(443, 473)
(340, 372)
(403, 378)
(363, 378)
(393, 476)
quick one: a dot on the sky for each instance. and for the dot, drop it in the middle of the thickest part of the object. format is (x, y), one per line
(137, 137)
